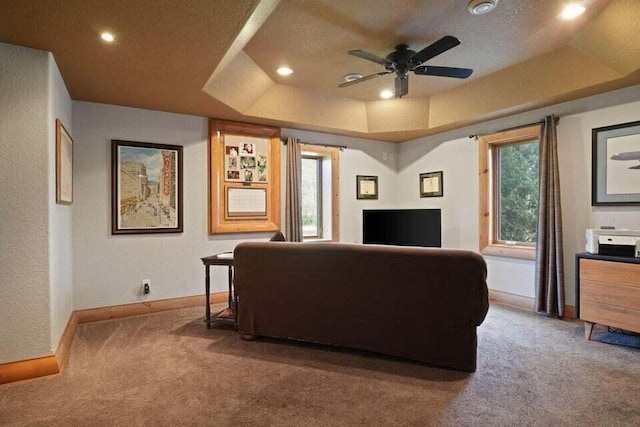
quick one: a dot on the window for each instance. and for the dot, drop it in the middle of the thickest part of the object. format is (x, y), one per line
(311, 197)
(319, 181)
(509, 176)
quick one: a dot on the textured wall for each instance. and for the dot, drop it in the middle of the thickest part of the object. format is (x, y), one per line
(458, 158)
(108, 269)
(24, 209)
(60, 216)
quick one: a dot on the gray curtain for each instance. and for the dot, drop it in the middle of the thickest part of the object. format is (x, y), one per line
(293, 208)
(549, 256)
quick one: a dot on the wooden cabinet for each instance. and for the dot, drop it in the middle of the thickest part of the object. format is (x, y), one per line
(608, 292)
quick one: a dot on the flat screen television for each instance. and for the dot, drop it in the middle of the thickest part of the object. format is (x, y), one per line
(402, 227)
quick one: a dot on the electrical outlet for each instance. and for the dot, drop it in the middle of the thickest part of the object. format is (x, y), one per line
(384, 155)
(146, 286)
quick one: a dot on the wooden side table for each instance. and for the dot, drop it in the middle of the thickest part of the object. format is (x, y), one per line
(608, 292)
(225, 258)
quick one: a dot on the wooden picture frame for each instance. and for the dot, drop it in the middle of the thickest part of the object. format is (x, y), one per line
(244, 177)
(615, 165)
(64, 165)
(431, 184)
(146, 188)
(366, 187)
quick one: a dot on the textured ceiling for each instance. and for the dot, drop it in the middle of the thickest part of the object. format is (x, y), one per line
(313, 37)
(218, 58)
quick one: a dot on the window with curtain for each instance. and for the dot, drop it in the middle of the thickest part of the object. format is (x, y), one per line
(509, 186)
(319, 199)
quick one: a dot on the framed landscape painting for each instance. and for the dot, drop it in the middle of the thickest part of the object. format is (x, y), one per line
(616, 165)
(146, 188)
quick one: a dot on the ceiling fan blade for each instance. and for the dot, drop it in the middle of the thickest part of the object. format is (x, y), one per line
(402, 86)
(368, 56)
(456, 73)
(434, 49)
(369, 77)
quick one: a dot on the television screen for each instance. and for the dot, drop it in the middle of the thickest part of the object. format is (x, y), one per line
(402, 227)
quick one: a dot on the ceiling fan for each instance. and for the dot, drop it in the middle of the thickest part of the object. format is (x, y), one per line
(402, 60)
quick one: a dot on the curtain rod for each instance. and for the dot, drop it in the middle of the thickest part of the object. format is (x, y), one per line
(539, 122)
(341, 147)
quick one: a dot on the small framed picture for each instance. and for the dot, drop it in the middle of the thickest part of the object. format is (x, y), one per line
(431, 184)
(366, 187)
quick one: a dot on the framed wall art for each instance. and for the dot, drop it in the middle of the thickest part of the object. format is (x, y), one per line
(146, 188)
(244, 177)
(64, 165)
(366, 187)
(615, 165)
(431, 184)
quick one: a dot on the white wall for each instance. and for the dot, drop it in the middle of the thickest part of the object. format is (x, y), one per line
(361, 157)
(458, 159)
(60, 216)
(108, 269)
(574, 156)
(24, 204)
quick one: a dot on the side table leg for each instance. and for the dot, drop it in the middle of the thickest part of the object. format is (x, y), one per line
(207, 286)
(588, 330)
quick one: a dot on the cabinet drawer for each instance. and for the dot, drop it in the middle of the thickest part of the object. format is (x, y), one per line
(608, 293)
(610, 315)
(610, 272)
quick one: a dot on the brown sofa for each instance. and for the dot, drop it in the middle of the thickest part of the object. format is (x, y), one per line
(417, 303)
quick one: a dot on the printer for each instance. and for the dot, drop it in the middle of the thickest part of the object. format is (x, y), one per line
(614, 242)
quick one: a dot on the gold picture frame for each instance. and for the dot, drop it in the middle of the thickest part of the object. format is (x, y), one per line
(64, 165)
(431, 184)
(366, 187)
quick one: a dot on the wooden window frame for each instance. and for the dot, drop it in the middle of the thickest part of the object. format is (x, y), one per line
(332, 153)
(488, 145)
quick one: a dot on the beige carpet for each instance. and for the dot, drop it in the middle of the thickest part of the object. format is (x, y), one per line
(168, 369)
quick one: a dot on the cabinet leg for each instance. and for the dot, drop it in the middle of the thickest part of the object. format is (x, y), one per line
(588, 329)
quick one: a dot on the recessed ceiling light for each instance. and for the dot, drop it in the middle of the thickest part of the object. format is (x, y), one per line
(386, 94)
(480, 7)
(571, 11)
(285, 71)
(108, 37)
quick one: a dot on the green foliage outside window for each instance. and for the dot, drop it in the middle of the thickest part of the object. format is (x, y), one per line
(518, 173)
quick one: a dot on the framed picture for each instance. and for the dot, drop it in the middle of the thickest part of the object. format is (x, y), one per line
(366, 187)
(246, 159)
(146, 188)
(64, 165)
(615, 165)
(431, 184)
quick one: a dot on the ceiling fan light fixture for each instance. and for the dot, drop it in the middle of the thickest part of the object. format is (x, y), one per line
(284, 71)
(386, 94)
(480, 7)
(352, 77)
(571, 11)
